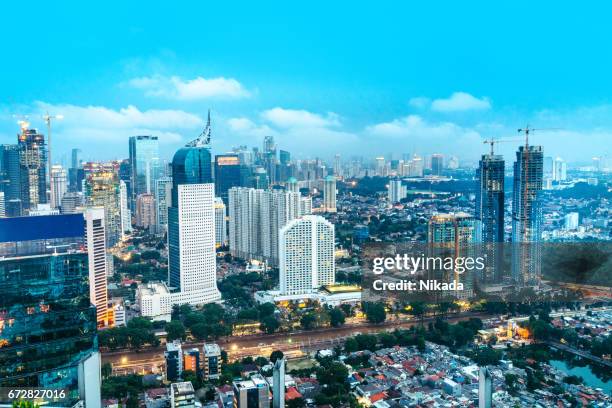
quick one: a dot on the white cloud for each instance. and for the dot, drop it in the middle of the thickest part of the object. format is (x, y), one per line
(460, 101)
(415, 133)
(293, 118)
(246, 127)
(177, 88)
(419, 102)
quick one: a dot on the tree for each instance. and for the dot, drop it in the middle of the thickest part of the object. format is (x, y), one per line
(296, 403)
(269, 324)
(486, 356)
(276, 355)
(308, 321)
(106, 370)
(375, 312)
(175, 330)
(351, 345)
(417, 309)
(336, 317)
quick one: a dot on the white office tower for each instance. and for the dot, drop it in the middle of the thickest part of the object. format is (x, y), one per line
(485, 389)
(306, 255)
(278, 384)
(2, 208)
(396, 191)
(559, 169)
(256, 216)
(195, 224)
(163, 198)
(60, 185)
(220, 222)
(415, 167)
(126, 213)
(96, 253)
(329, 194)
(337, 166)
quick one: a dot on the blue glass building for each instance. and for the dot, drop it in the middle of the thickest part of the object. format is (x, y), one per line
(48, 335)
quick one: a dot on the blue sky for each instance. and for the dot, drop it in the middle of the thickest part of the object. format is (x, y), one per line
(322, 77)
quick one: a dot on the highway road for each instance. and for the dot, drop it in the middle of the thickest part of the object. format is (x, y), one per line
(292, 344)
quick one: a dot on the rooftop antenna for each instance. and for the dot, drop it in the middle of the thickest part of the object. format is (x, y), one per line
(203, 140)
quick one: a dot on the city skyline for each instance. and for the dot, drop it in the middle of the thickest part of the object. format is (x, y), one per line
(441, 91)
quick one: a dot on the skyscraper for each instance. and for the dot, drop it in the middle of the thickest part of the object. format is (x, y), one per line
(11, 179)
(329, 194)
(489, 210)
(485, 388)
(527, 215)
(126, 213)
(227, 174)
(253, 393)
(145, 211)
(145, 165)
(75, 172)
(60, 185)
(306, 255)
(396, 191)
(163, 194)
(220, 222)
(191, 224)
(33, 168)
(43, 281)
(559, 170)
(437, 164)
(96, 251)
(102, 189)
(455, 235)
(256, 217)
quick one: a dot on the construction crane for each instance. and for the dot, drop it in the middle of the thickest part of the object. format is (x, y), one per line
(47, 118)
(493, 142)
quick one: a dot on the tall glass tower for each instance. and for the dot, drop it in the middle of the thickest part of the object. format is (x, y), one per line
(527, 215)
(145, 165)
(191, 225)
(48, 335)
(33, 163)
(489, 211)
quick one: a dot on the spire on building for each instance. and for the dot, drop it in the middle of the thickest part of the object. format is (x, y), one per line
(204, 138)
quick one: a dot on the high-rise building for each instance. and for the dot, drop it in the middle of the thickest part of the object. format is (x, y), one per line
(163, 194)
(437, 164)
(527, 215)
(571, 221)
(253, 393)
(71, 201)
(191, 224)
(75, 172)
(2, 209)
(455, 235)
(415, 167)
(255, 219)
(559, 170)
(489, 210)
(212, 361)
(145, 165)
(381, 167)
(33, 168)
(329, 194)
(396, 191)
(102, 189)
(60, 185)
(337, 167)
(292, 185)
(43, 281)
(220, 223)
(96, 252)
(278, 383)
(306, 255)
(11, 178)
(227, 174)
(145, 211)
(126, 213)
